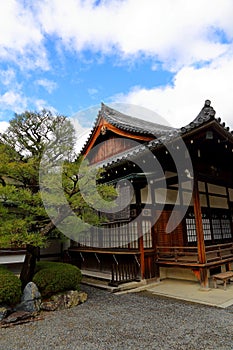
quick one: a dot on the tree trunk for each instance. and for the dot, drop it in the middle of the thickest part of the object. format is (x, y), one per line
(29, 265)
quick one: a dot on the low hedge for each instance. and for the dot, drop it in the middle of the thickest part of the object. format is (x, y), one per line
(10, 287)
(40, 265)
(53, 277)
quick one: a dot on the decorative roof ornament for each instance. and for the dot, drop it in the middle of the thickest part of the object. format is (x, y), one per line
(207, 113)
(103, 130)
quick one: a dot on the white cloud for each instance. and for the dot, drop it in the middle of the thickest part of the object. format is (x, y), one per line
(176, 32)
(7, 76)
(82, 134)
(3, 126)
(49, 85)
(21, 39)
(13, 100)
(92, 91)
(42, 104)
(180, 103)
(186, 37)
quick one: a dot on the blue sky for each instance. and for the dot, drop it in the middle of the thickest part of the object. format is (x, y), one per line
(166, 55)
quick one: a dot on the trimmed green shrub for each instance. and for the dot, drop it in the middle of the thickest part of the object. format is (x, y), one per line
(52, 278)
(47, 264)
(10, 287)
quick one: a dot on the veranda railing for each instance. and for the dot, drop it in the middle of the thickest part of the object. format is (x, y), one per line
(183, 254)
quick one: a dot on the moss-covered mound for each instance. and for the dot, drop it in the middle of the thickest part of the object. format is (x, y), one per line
(10, 287)
(54, 277)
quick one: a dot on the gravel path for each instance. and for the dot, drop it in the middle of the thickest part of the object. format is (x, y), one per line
(130, 321)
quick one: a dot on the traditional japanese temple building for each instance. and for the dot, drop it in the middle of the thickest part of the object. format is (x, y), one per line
(178, 223)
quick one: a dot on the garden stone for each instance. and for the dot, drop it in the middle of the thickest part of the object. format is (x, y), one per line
(73, 298)
(64, 300)
(82, 297)
(4, 310)
(16, 317)
(31, 299)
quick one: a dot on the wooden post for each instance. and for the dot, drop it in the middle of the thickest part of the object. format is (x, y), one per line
(140, 233)
(141, 248)
(155, 233)
(200, 235)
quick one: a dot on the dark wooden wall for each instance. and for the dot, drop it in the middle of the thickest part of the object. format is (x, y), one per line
(175, 238)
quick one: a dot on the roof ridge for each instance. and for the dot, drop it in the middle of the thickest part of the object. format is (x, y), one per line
(131, 123)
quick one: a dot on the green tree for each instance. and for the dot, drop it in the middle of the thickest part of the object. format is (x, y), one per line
(40, 185)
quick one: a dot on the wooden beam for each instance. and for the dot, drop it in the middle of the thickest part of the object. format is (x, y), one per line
(127, 134)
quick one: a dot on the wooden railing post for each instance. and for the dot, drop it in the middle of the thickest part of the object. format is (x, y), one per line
(122, 273)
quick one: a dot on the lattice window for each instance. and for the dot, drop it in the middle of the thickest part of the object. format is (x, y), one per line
(133, 235)
(81, 239)
(206, 228)
(84, 239)
(226, 227)
(113, 231)
(191, 229)
(217, 232)
(95, 237)
(221, 226)
(123, 235)
(216, 226)
(146, 230)
(106, 238)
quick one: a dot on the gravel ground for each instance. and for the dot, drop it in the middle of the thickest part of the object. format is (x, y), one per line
(130, 321)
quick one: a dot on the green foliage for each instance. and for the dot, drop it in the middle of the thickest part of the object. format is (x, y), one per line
(52, 278)
(10, 287)
(36, 146)
(20, 212)
(33, 148)
(30, 132)
(23, 215)
(40, 265)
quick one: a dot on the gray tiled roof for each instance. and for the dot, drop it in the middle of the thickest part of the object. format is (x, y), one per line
(167, 134)
(128, 123)
(132, 124)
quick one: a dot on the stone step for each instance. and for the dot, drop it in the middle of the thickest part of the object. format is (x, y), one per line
(97, 283)
(101, 280)
(103, 284)
(104, 276)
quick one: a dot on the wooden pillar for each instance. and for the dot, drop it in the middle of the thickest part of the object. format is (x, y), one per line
(200, 235)
(140, 233)
(141, 248)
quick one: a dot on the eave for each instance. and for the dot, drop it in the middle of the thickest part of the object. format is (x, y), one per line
(108, 127)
